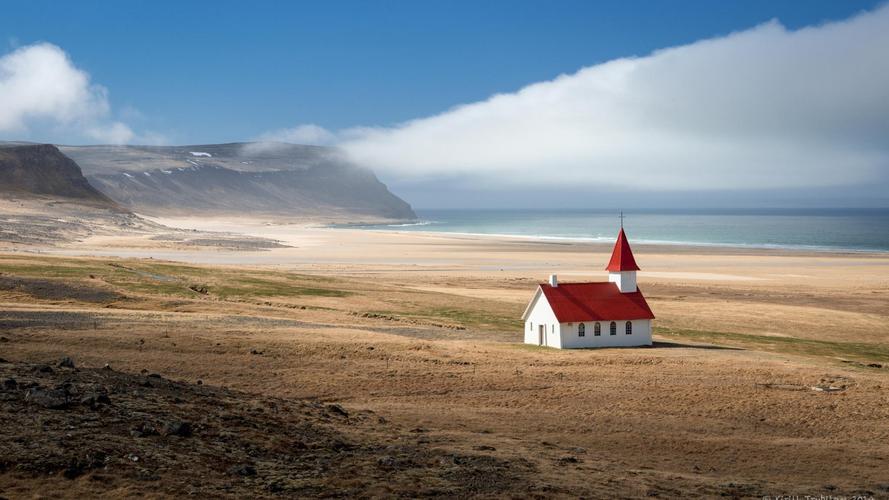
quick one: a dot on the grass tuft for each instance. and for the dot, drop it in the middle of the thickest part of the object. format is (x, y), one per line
(789, 345)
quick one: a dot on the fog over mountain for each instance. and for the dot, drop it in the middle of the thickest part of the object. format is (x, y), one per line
(237, 179)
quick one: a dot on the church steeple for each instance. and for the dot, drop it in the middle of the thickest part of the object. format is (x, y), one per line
(622, 266)
(622, 256)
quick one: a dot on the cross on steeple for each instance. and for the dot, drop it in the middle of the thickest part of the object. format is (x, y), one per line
(621, 219)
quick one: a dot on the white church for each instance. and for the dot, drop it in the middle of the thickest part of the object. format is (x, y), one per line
(611, 313)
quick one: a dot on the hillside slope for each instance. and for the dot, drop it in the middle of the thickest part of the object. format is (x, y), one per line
(46, 200)
(42, 170)
(238, 178)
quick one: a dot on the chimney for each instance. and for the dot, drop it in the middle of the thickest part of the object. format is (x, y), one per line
(553, 280)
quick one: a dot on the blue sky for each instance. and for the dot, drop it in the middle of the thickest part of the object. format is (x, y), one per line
(228, 71)
(485, 103)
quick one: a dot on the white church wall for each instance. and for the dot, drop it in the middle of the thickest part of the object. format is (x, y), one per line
(540, 313)
(641, 335)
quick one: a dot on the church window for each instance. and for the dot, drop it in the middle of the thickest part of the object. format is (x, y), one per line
(597, 329)
(629, 327)
(581, 330)
(613, 328)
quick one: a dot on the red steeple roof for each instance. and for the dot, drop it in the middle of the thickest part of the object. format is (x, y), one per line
(622, 257)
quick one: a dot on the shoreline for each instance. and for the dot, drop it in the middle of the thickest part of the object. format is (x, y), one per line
(310, 233)
(642, 243)
(313, 245)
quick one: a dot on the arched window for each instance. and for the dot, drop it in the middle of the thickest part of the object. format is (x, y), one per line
(581, 330)
(597, 329)
(629, 327)
(613, 328)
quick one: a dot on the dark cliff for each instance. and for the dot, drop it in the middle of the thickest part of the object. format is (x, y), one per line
(41, 169)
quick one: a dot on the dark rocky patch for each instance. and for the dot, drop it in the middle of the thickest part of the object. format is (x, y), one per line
(46, 289)
(177, 439)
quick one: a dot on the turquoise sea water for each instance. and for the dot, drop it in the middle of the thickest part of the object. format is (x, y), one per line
(817, 229)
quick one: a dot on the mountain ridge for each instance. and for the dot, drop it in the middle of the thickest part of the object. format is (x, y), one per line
(233, 178)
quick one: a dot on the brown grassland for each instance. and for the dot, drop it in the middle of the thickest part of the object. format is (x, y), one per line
(770, 373)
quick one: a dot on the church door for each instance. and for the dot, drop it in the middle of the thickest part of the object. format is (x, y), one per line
(542, 331)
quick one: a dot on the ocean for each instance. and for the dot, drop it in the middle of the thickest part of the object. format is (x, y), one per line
(863, 230)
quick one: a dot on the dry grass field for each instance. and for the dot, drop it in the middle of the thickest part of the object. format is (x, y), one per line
(770, 373)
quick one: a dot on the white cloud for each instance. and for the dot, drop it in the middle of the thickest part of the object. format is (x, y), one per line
(279, 140)
(303, 134)
(40, 85)
(112, 133)
(762, 108)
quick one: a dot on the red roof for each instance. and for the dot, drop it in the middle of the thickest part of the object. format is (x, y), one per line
(622, 257)
(575, 302)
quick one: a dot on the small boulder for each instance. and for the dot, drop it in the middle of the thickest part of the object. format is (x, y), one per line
(54, 399)
(242, 470)
(338, 410)
(94, 400)
(143, 429)
(10, 384)
(176, 428)
(66, 362)
(339, 445)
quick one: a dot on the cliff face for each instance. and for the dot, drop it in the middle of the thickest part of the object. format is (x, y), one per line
(239, 178)
(41, 169)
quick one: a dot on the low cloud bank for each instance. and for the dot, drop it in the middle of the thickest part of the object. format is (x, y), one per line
(762, 108)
